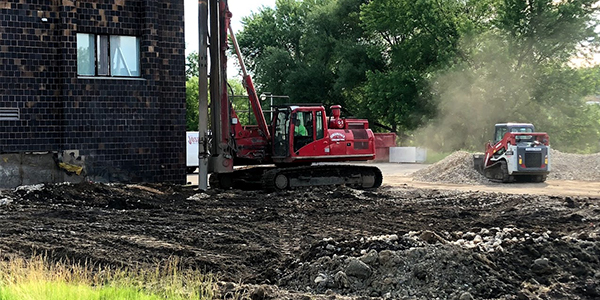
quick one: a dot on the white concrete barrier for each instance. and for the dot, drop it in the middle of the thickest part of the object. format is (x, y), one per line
(408, 154)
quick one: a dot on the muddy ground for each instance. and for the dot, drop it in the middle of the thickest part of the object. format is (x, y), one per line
(402, 241)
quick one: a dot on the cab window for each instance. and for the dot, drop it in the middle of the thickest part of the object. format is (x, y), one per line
(320, 129)
(303, 129)
(521, 129)
(500, 131)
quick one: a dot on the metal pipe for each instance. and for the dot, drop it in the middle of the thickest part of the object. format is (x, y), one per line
(203, 143)
(215, 76)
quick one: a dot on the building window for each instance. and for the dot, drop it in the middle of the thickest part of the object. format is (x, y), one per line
(108, 55)
(85, 54)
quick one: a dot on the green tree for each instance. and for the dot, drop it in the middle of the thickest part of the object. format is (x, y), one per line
(192, 65)
(240, 104)
(458, 66)
(372, 57)
(415, 39)
(517, 70)
(191, 104)
(538, 31)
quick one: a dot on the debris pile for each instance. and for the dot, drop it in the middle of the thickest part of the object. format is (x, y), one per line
(407, 267)
(321, 243)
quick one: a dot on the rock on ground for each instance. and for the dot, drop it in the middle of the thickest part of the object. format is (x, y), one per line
(568, 166)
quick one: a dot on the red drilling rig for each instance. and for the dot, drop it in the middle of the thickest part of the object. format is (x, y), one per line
(279, 155)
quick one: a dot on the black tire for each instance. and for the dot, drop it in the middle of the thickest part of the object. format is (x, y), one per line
(539, 178)
(268, 180)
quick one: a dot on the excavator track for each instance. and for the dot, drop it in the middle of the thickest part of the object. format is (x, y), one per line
(274, 178)
(362, 177)
(498, 172)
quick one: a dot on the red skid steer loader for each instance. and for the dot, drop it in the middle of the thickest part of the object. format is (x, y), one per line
(518, 153)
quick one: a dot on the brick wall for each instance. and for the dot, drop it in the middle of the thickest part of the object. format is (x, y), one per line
(126, 129)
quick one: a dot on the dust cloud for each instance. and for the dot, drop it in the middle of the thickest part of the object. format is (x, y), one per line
(472, 99)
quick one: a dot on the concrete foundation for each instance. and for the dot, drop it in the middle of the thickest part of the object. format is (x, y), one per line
(32, 168)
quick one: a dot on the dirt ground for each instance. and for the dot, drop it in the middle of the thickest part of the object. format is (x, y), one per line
(406, 240)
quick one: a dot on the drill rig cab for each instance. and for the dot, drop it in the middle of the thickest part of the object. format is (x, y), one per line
(302, 134)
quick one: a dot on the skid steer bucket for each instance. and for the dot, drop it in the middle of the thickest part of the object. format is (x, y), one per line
(478, 162)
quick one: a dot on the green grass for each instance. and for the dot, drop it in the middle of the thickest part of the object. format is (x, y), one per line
(49, 290)
(38, 279)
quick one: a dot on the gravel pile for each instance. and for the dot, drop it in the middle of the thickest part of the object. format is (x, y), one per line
(456, 168)
(568, 166)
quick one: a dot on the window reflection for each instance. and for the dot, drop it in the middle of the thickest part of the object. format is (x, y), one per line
(124, 52)
(85, 54)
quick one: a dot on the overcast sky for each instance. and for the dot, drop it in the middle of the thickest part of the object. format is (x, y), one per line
(239, 9)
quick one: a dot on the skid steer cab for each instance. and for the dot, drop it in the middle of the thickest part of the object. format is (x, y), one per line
(517, 153)
(303, 134)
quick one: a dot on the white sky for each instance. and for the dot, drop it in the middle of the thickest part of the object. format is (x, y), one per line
(239, 9)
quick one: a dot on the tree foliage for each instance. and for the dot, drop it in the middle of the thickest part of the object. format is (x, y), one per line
(191, 104)
(517, 71)
(192, 65)
(453, 67)
(308, 50)
(236, 93)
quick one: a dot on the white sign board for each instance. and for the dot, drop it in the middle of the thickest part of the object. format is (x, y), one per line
(191, 143)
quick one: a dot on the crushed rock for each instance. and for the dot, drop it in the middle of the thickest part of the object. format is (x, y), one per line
(198, 197)
(569, 166)
(458, 168)
(455, 168)
(465, 264)
(30, 188)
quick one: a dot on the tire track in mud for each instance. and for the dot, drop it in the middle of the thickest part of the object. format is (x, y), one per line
(392, 243)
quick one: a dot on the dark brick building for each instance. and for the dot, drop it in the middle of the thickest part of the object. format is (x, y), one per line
(97, 84)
